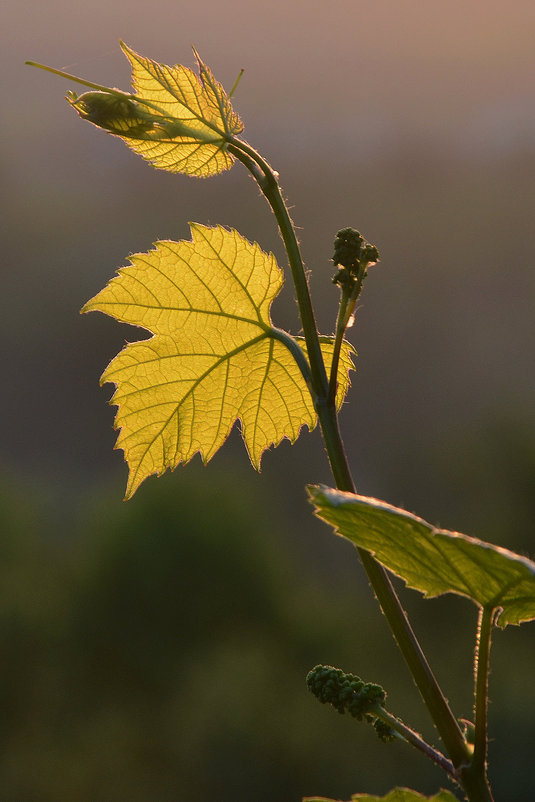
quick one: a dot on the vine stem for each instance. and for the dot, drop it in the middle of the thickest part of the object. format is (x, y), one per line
(477, 768)
(404, 635)
(345, 311)
(481, 667)
(341, 325)
(415, 740)
(267, 181)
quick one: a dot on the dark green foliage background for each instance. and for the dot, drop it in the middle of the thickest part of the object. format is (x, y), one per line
(158, 650)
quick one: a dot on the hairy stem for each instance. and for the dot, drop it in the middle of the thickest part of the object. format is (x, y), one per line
(424, 678)
(482, 655)
(341, 325)
(267, 181)
(481, 667)
(415, 740)
(345, 311)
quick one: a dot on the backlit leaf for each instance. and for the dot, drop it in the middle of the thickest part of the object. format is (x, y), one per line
(396, 795)
(214, 356)
(177, 120)
(433, 561)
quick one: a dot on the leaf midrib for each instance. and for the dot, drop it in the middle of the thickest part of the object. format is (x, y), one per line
(114, 304)
(219, 361)
(163, 82)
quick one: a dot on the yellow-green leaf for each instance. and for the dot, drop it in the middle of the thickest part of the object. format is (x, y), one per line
(177, 120)
(214, 356)
(432, 560)
(396, 795)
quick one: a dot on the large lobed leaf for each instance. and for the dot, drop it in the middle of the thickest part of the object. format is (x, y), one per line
(433, 561)
(396, 795)
(177, 121)
(214, 356)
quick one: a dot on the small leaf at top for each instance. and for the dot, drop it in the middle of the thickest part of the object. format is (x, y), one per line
(396, 795)
(214, 356)
(433, 561)
(176, 120)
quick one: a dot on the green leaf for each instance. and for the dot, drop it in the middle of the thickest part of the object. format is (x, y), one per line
(214, 356)
(396, 795)
(177, 121)
(433, 561)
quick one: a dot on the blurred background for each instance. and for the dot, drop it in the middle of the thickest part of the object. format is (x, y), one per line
(157, 649)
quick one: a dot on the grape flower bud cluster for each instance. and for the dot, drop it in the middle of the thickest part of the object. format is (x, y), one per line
(347, 693)
(352, 255)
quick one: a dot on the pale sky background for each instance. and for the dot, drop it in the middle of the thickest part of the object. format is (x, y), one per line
(412, 121)
(459, 72)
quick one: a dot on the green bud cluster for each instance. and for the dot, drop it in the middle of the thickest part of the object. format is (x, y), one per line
(347, 693)
(383, 731)
(347, 246)
(352, 254)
